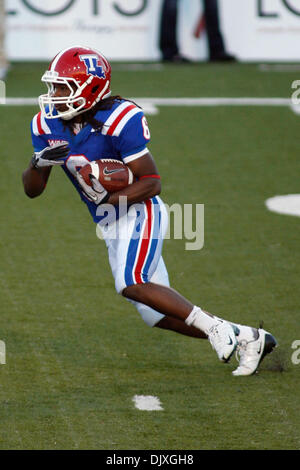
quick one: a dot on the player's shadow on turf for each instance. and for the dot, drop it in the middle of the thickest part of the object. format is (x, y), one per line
(279, 361)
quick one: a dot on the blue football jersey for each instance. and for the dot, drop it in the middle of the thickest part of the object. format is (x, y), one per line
(124, 137)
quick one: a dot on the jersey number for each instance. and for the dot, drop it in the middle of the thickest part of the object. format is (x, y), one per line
(146, 130)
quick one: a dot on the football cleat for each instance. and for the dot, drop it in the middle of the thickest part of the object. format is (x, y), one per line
(251, 353)
(222, 337)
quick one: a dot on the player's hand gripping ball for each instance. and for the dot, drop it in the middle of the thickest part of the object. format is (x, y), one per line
(112, 174)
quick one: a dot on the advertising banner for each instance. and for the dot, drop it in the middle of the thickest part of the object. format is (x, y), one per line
(262, 30)
(122, 29)
(126, 30)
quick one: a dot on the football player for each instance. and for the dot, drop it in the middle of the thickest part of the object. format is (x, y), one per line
(80, 121)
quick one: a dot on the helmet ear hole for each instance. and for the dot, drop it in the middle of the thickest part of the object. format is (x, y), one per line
(95, 88)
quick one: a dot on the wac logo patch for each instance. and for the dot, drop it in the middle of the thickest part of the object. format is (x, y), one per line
(92, 67)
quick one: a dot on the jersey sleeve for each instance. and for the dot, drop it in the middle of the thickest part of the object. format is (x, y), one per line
(134, 138)
(39, 131)
(129, 126)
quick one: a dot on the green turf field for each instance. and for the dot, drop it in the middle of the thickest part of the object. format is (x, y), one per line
(77, 353)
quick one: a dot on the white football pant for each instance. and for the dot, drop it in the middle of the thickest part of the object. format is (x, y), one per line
(134, 244)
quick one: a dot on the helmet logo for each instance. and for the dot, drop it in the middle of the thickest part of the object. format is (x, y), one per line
(91, 63)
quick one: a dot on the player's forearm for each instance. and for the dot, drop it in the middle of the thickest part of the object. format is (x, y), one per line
(138, 191)
(35, 180)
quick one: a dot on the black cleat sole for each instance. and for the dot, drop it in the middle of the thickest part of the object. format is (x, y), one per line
(270, 344)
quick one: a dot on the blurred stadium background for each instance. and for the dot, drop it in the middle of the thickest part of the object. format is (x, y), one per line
(76, 353)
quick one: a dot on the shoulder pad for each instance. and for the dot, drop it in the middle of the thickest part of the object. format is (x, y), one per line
(119, 117)
(39, 125)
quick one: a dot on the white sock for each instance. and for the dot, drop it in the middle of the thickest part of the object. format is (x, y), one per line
(201, 320)
(204, 322)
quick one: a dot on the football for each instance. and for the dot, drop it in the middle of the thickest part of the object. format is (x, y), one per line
(112, 174)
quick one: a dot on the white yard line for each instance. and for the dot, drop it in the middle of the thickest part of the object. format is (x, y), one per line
(279, 67)
(150, 105)
(288, 204)
(20, 101)
(215, 101)
(147, 403)
(181, 101)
